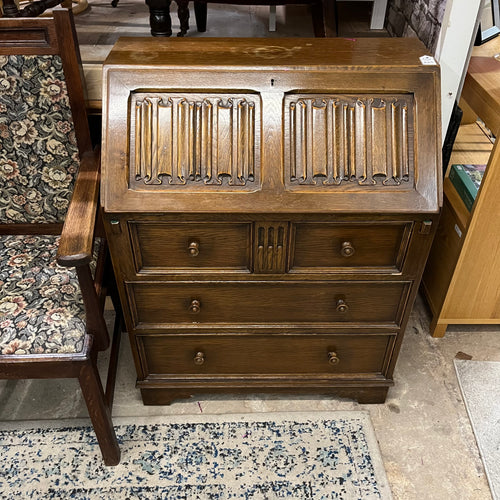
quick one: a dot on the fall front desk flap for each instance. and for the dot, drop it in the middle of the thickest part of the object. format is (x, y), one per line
(271, 125)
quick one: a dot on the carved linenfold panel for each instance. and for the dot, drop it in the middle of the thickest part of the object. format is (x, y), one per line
(332, 140)
(271, 243)
(189, 140)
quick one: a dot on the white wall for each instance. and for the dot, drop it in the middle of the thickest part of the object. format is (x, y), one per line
(458, 32)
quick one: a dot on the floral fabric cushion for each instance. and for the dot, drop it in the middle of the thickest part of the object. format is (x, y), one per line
(38, 150)
(41, 308)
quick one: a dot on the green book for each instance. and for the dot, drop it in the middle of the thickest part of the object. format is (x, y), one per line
(466, 179)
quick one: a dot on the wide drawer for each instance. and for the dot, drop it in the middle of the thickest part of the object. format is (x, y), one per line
(157, 304)
(354, 247)
(190, 246)
(252, 354)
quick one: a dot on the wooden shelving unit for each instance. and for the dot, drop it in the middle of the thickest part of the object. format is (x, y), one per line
(462, 278)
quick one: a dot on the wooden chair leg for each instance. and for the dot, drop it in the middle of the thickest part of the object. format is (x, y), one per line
(159, 17)
(113, 359)
(99, 412)
(330, 18)
(183, 15)
(118, 329)
(200, 14)
(272, 18)
(318, 19)
(10, 8)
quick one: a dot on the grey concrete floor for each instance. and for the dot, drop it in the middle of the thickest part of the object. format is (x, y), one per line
(424, 433)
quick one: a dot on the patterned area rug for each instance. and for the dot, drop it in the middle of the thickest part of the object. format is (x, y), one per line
(480, 385)
(255, 456)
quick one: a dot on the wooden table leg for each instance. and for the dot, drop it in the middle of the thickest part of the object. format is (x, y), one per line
(183, 15)
(200, 12)
(318, 19)
(10, 9)
(330, 13)
(159, 17)
(437, 329)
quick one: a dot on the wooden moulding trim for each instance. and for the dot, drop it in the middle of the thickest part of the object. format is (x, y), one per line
(52, 229)
(263, 382)
(42, 366)
(28, 36)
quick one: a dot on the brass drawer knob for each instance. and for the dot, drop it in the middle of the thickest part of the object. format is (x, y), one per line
(347, 249)
(333, 359)
(199, 358)
(195, 306)
(194, 248)
(342, 307)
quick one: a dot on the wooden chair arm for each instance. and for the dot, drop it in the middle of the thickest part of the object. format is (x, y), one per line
(76, 244)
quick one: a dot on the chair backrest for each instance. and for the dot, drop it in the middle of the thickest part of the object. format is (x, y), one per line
(43, 123)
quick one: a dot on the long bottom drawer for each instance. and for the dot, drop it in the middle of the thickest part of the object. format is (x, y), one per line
(260, 354)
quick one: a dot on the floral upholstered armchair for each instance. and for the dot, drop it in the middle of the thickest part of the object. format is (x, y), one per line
(53, 260)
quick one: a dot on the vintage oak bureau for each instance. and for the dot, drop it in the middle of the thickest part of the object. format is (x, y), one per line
(270, 205)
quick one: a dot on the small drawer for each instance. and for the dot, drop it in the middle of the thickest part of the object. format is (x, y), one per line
(271, 354)
(190, 246)
(160, 304)
(360, 247)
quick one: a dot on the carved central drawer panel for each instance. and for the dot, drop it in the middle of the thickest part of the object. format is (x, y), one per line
(246, 354)
(154, 303)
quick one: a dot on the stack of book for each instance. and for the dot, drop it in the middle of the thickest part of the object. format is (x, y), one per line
(466, 179)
